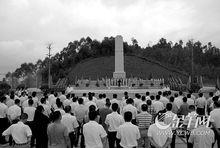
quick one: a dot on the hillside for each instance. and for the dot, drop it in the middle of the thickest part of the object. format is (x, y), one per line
(94, 68)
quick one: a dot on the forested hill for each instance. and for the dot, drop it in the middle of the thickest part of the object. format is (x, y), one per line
(206, 57)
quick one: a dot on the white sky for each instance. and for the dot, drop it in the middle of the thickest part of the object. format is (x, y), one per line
(26, 26)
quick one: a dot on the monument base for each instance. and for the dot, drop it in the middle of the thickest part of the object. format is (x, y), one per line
(119, 75)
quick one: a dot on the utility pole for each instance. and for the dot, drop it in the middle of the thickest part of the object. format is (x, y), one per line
(192, 62)
(49, 63)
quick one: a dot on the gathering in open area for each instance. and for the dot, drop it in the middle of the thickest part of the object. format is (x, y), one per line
(109, 74)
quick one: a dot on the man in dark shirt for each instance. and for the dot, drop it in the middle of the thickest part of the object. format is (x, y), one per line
(184, 108)
(103, 112)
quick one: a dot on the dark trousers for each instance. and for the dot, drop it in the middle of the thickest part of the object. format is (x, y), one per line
(189, 145)
(72, 136)
(201, 111)
(112, 140)
(173, 143)
(4, 124)
(217, 137)
(42, 142)
(31, 125)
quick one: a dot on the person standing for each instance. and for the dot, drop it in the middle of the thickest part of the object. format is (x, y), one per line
(14, 111)
(20, 132)
(143, 121)
(128, 133)
(201, 104)
(158, 106)
(71, 123)
(131, 108)
(58, 136)
(3, 118)
(41, 122)
(184, 108)
(103, 112)
(30, 111)
(113, 121)
(93, 132)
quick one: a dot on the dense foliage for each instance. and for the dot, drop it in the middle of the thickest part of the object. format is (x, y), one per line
(206, 58)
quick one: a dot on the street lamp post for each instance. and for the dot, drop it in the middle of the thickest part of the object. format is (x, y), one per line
(49, 56)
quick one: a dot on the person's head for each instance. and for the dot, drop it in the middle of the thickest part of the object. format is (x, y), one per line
(115, 107)
(188, 95)
(143, 98)
(125, 93)
(84, 94)
(40, 109)
(92, 108)
(51, 92)
(164, 93)
(169, 93)
(56, 116)
(157, 97)
(180, 93)
(23, 93)
(100, 96)
(24, 117)
(211, 94)
(103, 95)
(149, 102)
(159, 93)
(43, 100)
(73, 95)
(74, 99)
(152, 97)
(171, 99)
(12, 96)
(169, 106)
(144, 107)
(184, 99)
(80, 100)
(56, 94)
(3, 99)
(30, 102)
(108, 104)
(90, 97)
(192, 108)
(67, 109)
(68, 96)
(127, 116)
(200, 95)
(34, 94)
(59, 104)
(176, 95)
(92, 115)
(115, 96)
(217, 104)
(63, 92)
(147, 93)
(130, 101)
(17, 102)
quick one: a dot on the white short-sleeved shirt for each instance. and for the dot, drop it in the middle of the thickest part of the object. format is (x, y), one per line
(62, 97)
(130, 108)
(157, 105)
(20, 132)
(25, 104)
(114, 120)
(190, 101)
(201, 102)
(89, 103)
(93, 132)
(215, 116)
(66, 102)
(164, 100)
(30, 111)
(62, 112)
(178, 101)
(74, 105)
(3, 110)
(159, 135)
(70, 122)
(128, 133)
(10, 102)
(14, 112)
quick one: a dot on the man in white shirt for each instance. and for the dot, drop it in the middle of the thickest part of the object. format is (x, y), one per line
(47, 109)
(52, 98)
(128, 133)
(74, 105)
(164, 99)
(215, 119)
(25, 103)
(85, 99)
(71, 123)
(137, 100)
(113, 121)
(178, 99)
(35, 98)
(20, 132)
(190, 101)
(67, 101)
(100, 102)
(90, 102)
(94, 133)
(62, 97)
(157, 105)
(160, 135)
(131, 108)
(30, 111)
(3, 118)
(14, 112)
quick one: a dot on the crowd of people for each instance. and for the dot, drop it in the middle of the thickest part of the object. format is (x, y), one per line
(87, 121)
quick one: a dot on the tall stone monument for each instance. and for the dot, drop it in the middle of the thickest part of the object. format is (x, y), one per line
(119, 59)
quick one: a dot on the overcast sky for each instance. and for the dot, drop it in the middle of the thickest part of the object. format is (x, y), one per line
(26, 26)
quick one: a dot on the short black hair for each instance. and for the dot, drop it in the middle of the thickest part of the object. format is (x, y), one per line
(2, 99)
(147, 93)
(34, 94)
(192, 107)
(152, 97)
(104, 95)
(24, 116)
(171, 99)
(115, 107)
(67, 109)
(90, 97)
(200, 94)
(157, 97)
(184, 99)
(130, 101)
(100, 96)
(74, 99)
(144, 107)
(125, 93)
(17, 101)
(149, 102)
(43, 100)
(159, 93)
(169, 106)
(127, 116)
(176, 95)
(30, 102)
(143, 98)
(92, 108)
(80, 100)
(180, 93)
(115, 96)
(211, 94)
(188, 95)
(92, 115)
(56, 115)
